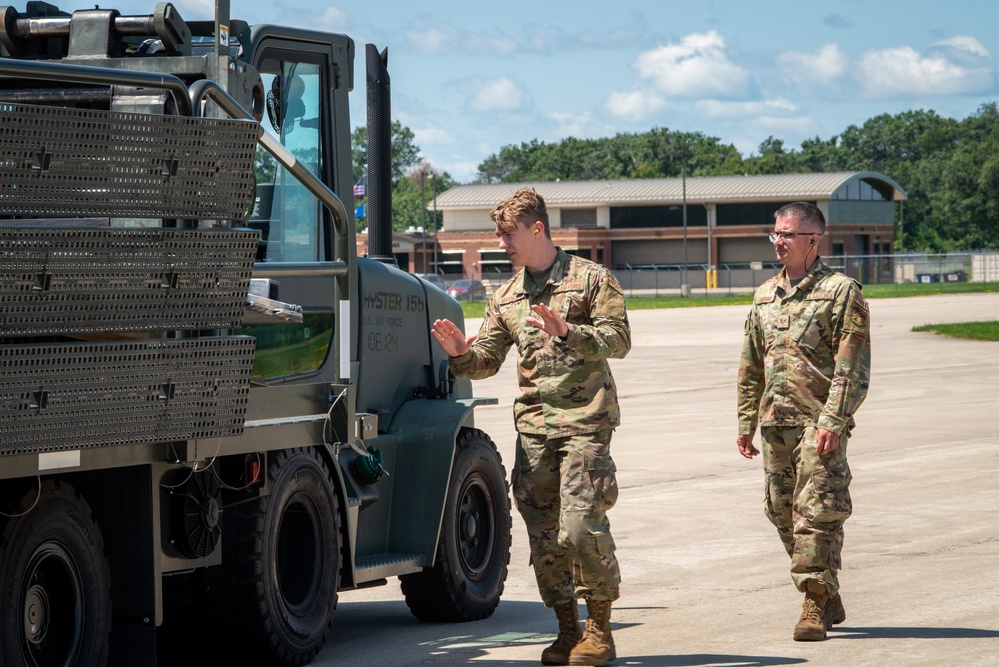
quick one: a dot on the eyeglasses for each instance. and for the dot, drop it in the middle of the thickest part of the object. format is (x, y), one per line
(773, 236)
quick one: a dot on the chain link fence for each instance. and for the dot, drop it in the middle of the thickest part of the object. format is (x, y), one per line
(900, 268)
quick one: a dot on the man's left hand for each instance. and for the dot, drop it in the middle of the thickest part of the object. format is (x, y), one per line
(826, 441)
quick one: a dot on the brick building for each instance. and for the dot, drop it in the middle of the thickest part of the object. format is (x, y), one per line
(629, 223)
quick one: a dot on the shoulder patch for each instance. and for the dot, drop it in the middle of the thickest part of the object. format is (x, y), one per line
(857, 317)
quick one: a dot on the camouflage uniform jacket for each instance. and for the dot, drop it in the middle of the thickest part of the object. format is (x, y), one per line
(806, 355)
(566, 384)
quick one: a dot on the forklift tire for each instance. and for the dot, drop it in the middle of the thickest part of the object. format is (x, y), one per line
(473, 553)
(55, 582)
(275, 592)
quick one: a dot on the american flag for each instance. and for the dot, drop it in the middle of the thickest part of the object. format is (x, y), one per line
(359, 187)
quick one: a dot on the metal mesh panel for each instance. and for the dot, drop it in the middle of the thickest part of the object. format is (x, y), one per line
(99, 280)
(56, 161)
(101, 394)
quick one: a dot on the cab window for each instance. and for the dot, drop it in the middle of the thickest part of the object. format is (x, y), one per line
(288, 216)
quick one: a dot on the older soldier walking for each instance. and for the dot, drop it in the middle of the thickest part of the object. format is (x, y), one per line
(567, 317)
(804, 372)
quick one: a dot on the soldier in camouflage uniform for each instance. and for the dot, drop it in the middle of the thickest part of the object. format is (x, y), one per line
(804, 371)
(566, 316)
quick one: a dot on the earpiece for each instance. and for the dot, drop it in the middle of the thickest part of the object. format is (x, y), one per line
(812, 242)
(537, 231)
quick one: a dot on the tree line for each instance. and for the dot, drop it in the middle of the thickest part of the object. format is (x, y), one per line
(415, 182)
(948, 168)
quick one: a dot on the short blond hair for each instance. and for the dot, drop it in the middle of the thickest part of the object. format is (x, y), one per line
(523, 207)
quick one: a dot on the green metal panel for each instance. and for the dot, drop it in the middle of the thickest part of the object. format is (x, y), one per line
(426, 429)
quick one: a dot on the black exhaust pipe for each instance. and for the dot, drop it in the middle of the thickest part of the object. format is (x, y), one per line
(379, 181)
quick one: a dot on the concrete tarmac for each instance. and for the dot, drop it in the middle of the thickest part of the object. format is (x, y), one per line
(705, 578)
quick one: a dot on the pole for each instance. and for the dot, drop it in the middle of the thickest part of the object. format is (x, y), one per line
(901, 225)
(423, 216)
(423, 242)
(712, 276)
(684, 285)
(433, 182)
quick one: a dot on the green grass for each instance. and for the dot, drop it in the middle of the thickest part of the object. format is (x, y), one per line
(924, 289)
(971, 330)
(474, 309)
(655, 302)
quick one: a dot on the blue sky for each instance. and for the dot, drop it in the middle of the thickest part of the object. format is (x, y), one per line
(469, 77)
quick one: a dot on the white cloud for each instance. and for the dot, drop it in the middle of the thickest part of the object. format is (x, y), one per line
(959, 65)
(577, 125)
(635, 106)
(428, 137)
(442, 37)
(820, 67)
(462, 170)
(729, 109)
(784, 127)
(499, 94)
(965, 43)
(331, 19)
(696, 67)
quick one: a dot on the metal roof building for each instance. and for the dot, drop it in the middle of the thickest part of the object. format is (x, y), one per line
(703, 221)
(782, 187)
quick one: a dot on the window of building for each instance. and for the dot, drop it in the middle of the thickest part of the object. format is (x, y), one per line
(747, 214)
(579, 218)
(451, 263)
(861, 191)
(632, 217)
(495, 264)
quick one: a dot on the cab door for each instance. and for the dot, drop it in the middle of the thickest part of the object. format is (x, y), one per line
(303, 249)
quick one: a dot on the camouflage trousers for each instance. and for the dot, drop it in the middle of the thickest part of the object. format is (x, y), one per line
(808, 500)
(563, 488)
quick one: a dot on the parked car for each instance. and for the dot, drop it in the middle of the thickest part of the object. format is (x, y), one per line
(433, 279)
(467, 290)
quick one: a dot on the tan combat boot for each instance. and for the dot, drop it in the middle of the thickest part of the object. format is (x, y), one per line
(834, 613)
(811, 626)
(597, 645)
(569, 635)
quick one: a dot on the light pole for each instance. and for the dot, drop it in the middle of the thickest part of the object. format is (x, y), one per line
(711, 275)
(423, 242)
(433, 182)
(684, 285)
(423, 217)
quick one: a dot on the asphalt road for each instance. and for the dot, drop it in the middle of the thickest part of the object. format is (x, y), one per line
(705, 577)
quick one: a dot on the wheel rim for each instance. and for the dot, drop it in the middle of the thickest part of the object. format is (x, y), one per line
(51, 608)
(298, 537)
(475, 526)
